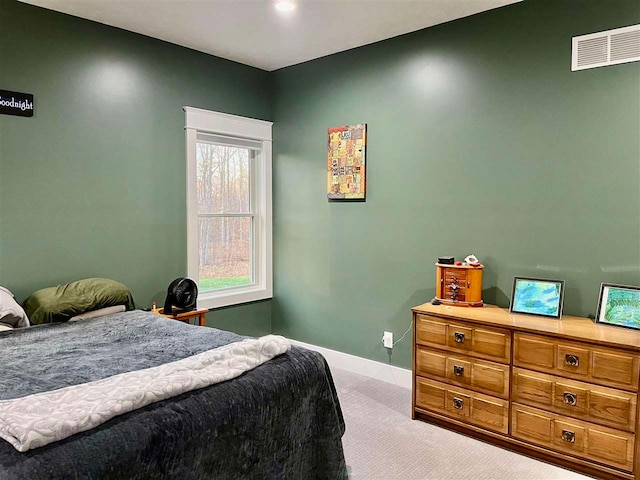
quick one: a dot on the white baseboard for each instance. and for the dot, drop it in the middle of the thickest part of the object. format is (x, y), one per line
(369, 368)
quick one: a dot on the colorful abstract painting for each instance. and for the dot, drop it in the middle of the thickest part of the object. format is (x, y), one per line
(620, 306)
(346, 147)
(537, 297)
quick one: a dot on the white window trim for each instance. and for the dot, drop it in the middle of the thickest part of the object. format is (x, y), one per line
(198, 120)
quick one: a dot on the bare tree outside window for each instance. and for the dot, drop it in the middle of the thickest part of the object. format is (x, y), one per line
(225, 215)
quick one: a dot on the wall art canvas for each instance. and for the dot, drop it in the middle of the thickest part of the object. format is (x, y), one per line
(537, 296)
(346, 165)
(619, 305)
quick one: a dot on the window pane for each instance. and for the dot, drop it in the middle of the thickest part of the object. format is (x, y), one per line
(223, 178)
(225, 252)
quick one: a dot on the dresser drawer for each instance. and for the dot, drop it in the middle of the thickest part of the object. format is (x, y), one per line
(455, 281)
(574, 437)
(478, 341)
(481, 375)
(460, 294)
(472, 407)
(606, 406)
(605, 366)
(459, 274)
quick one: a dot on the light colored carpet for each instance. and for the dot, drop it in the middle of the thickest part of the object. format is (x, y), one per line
(383, 443)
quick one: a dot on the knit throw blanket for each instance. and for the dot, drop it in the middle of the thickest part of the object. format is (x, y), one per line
(42, 418)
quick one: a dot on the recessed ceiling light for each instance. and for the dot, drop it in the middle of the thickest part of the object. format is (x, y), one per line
(285, 5)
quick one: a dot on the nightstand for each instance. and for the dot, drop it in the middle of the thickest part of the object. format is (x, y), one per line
(185, 316)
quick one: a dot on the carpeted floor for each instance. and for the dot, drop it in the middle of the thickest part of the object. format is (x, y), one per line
(383, 443)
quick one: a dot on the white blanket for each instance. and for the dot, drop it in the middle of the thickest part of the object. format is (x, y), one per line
(37, 420)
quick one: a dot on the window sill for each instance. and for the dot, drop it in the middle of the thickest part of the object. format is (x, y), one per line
(233, 297)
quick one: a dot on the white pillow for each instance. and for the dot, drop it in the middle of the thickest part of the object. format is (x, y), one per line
(10, 312)
(98, 313)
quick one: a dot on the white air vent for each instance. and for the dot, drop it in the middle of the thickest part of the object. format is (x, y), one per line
(600, 49)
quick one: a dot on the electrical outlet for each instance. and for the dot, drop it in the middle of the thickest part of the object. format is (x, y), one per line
(387, 339)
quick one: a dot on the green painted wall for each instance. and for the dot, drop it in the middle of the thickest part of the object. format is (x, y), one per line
(481, 140)
(94, 183)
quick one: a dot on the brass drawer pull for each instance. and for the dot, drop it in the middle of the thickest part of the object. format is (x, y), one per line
(458, 371)
(570, 398)
(572, 360)
(458, 337)
(568, 436)
(458, 403)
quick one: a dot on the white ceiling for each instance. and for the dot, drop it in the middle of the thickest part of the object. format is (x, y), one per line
(254, 33)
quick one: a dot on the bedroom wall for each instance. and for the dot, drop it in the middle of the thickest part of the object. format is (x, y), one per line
(481, 140)
(94, 183)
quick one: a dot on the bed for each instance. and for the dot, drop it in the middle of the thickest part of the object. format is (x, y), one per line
(280, 420)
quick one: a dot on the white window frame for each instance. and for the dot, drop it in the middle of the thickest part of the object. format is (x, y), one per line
(205, 121)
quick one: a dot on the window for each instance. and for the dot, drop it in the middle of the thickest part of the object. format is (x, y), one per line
(228, 207)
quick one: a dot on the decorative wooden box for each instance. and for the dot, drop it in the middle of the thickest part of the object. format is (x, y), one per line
(459, 285)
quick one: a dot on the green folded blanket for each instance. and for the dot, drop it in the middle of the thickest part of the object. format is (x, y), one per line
(59, 304)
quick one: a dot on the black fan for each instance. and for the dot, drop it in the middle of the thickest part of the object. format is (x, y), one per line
(182, 295)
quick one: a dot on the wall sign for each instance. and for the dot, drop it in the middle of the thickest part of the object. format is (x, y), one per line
(16, 103)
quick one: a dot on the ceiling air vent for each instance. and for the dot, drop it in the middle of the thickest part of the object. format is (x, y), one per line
(606, 48)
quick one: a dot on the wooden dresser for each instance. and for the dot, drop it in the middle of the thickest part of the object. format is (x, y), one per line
(564, 391)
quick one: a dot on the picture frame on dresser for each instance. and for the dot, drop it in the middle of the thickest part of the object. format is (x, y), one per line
(537, 296)
(619, 306)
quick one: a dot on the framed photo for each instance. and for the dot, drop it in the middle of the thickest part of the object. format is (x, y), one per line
(619, 305)
(346, 162)
(537, 296)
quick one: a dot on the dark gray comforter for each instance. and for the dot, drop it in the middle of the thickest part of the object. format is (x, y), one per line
(281, 420)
